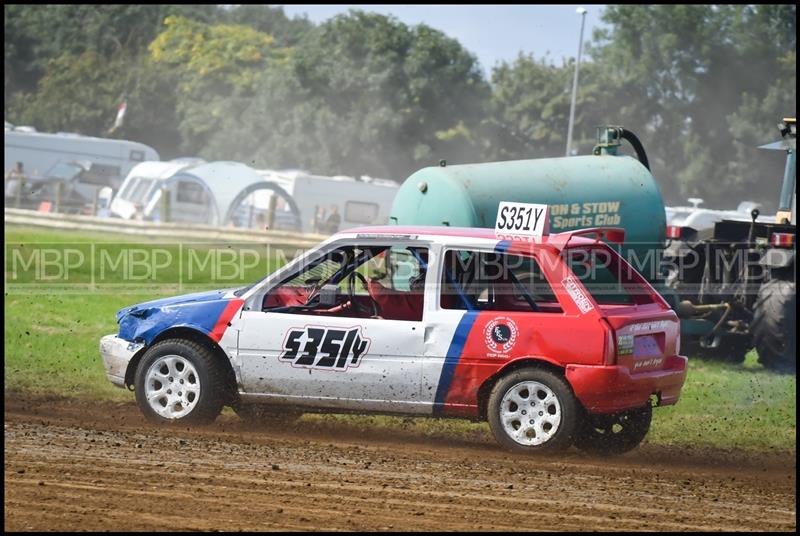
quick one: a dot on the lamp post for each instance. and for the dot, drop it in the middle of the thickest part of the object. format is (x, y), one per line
(582, 12)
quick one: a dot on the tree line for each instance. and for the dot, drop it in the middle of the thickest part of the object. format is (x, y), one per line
(363, 93)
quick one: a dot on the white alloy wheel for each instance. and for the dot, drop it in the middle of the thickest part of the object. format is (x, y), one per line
(172, 386)
(530, 413)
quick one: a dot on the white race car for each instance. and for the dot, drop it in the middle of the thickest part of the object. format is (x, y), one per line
(431, 321)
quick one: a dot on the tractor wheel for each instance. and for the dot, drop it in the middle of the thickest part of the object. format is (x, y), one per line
(774, 328)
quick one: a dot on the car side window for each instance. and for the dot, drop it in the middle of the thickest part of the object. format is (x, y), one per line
(375, 281)
(492, 281)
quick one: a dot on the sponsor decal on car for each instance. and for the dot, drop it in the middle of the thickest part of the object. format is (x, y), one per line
(500, 335)
(325, 348)
(652, 362)
(658, 325)
(570, 284)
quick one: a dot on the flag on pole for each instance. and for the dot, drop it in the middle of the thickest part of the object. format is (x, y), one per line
(120, 115)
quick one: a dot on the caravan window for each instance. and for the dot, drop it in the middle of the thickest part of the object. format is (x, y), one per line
(140, 190)
(64, 170)
(100, 174)
(191, 192)
(358, 212)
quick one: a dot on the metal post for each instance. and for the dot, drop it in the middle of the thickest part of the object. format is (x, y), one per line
(94, 202)
(582, 13)
(273, 202)
(164, 205)
(20, 187)
(59, 191)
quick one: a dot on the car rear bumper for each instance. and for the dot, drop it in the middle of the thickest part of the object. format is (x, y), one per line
(117, 354)
(608, 389)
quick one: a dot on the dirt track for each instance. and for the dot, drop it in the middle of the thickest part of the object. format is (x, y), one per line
(73, 466)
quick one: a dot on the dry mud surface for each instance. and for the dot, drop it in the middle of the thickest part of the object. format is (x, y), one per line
(73, 465)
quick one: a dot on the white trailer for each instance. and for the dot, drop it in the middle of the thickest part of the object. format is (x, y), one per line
(362, 201)
(39, 152)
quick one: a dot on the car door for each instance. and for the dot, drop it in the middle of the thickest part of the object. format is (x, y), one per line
(481, 320)
(332, 361)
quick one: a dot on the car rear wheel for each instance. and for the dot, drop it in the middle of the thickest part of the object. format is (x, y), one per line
(179, 381)
(532, 410)
(614, 434)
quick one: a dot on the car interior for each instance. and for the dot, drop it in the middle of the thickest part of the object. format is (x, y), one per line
(388, 282)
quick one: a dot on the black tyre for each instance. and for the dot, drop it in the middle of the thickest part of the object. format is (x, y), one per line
(774, 325)
(180, 381)
(265, 415)
(533, 410)
(614, 434)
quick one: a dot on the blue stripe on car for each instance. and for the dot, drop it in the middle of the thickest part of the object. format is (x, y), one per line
(452, 358)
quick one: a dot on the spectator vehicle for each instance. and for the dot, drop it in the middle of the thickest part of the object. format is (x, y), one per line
(554, 339)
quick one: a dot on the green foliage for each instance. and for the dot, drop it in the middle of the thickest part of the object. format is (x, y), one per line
(36, 34)
(530, 109)
(94, 86)
(361, 94)
(215, 65)
(703, 86)
(269, 20)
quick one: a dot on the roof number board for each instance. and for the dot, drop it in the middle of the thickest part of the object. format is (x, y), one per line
(522, 219)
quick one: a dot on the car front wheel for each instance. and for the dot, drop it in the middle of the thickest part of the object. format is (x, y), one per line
(532, 410)
(179, 381)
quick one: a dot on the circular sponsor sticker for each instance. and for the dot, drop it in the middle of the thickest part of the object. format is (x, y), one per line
(500, 335)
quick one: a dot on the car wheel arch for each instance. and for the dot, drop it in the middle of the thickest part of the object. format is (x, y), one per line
(190, 334)
(543, 363)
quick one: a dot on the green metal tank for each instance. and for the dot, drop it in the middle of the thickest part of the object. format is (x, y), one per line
(582, 191)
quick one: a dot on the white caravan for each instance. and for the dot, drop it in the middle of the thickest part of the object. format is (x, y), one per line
(357, 202)
(39, 152)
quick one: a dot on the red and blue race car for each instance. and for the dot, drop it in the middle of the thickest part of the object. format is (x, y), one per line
(555, 340)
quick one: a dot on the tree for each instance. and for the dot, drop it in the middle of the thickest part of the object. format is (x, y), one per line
(694, 80)
(362, 94)
(36, 34)
(81, 93)
(530, 109)
(218, 68)
(270, 20)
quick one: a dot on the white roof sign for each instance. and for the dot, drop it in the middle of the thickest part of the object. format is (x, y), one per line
(522, 219)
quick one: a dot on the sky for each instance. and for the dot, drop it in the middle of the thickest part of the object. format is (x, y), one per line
(492, 32)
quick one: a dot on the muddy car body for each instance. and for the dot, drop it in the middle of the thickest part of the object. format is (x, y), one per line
(554, 340)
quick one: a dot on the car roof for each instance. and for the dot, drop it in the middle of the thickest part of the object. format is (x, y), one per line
(480, 236)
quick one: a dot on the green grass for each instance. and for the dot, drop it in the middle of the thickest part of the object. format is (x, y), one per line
(51, 346)
(54, 318)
